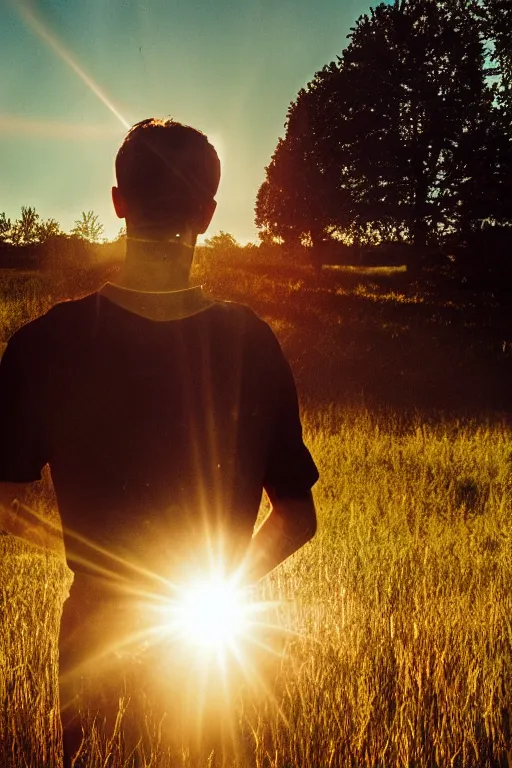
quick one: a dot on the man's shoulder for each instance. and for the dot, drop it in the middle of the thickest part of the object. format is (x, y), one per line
(232, 308)
(233, 313)
(238, 325)
(65, 319)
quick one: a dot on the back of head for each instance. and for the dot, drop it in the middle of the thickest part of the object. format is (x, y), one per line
(166, 172)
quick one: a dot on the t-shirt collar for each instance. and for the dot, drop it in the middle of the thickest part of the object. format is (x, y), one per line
(157, 305)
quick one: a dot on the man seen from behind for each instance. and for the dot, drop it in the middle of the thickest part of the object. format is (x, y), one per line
(162, 413)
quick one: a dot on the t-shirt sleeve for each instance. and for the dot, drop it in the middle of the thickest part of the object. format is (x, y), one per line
(290, 470)
(22, 454)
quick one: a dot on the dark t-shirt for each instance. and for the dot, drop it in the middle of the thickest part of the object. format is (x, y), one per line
(160, 435)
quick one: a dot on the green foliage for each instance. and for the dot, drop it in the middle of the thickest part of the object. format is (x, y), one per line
(25, 229)
(28, 229)
(223, 241)
(496, 17)
(400, 140)
(222, 248)
(5, 227)
(88, 227)
(48, 229)
(301, 196)
(432, 109)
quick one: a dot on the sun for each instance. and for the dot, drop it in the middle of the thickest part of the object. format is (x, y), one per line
(210, 614)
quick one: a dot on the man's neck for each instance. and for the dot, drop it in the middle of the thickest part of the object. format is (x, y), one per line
(167, 305)
(156, 265)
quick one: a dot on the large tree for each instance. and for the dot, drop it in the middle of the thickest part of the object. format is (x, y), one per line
(391, 142)
(302, 199)
(496, 19)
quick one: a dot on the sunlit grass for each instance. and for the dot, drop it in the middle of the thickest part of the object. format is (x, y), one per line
(398, 647)
(400, 608)
(22, 297)
(33, 584)
(405, 598)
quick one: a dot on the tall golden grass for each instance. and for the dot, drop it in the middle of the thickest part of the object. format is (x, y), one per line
(399, 612)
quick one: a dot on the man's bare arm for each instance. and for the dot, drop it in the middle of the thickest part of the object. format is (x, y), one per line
(290, 525)
(19, 518)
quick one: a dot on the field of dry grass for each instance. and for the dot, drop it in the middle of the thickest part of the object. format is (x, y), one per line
(399, 650)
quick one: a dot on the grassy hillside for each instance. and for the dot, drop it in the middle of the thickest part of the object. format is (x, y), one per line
(399, 650)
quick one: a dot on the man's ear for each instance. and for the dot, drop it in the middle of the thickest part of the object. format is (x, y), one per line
(205, 217)
(119, 203)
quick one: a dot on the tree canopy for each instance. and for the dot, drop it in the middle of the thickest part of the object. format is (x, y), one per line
(405, 137)
(28, 229)
(88, 227)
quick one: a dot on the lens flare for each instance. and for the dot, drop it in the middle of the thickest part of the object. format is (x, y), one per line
(211, 614)
(29, 16)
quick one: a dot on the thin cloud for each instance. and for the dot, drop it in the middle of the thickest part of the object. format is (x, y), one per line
(15, 125)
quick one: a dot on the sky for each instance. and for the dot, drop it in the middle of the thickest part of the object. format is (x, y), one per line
(77, 73)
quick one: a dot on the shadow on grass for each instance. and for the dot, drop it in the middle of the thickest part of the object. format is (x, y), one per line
(371, 337)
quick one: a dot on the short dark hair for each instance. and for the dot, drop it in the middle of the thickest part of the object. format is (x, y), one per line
(166, 170)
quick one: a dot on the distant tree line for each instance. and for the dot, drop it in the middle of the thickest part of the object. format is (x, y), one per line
(30, 241)
(406, 139)
(30, 229)
(78, 262)
(74, 261)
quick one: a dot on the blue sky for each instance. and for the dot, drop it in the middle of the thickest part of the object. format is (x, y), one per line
(227, 67)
